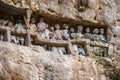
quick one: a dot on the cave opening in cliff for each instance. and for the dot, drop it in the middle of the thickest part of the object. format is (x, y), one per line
(51, 20)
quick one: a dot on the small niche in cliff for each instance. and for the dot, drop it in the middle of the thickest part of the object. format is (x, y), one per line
(82, 5)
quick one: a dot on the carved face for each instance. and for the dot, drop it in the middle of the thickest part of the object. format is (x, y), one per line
(80, 28)
(51, 28)
(101, 31)
(57, 26)
(87, 30)
(72, 30)
(95, 31)
(10, 24)
(65, 26)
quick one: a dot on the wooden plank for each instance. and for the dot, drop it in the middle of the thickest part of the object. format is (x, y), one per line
(8, 34)
(3, 28)
(18, 32)
(52, 42)
(99, 44)
(33, 34)
(80, 41)
(70, 48)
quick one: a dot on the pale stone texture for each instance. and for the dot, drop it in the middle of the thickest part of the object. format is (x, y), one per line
(24, 63)
(98, 11)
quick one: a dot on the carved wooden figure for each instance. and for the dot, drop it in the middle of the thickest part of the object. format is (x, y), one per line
(79, 31)
(102, 35)
(32, 25)
(52, 32)
(95, 36)
(58, 33)
(66, 35)
(82, 5)
(87, 34)
(72, 33)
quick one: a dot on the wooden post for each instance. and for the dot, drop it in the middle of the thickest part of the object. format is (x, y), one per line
(70, 48)
(8, 35)
(87, 49)
(27, 37)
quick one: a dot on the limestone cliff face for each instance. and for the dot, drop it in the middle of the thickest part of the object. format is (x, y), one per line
(97, 11)
(24, 63)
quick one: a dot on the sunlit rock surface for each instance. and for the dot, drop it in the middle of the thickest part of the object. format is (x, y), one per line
(97, 10)
(24, 63)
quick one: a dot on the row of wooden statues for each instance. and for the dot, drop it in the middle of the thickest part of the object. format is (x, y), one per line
(55, 32)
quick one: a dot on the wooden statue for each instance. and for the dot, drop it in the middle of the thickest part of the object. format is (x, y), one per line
(87, 34)
(66, 35)
(82, 5)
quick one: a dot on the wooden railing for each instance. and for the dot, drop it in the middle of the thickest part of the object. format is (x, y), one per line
(61, 43)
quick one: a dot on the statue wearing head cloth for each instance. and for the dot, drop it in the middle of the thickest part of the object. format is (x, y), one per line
(95, 36)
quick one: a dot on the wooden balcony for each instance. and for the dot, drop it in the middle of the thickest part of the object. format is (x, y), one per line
(58, 43)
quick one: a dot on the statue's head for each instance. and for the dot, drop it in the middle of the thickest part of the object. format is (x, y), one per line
(72, 30)
(52, 28)
(57, 26)
(80, 28)
(96, 31)
(102, 31)
(87, 30)
(65, 26)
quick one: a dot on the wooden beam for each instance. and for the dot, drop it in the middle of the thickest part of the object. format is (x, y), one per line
(59, 43)
(80, 41)
(8, 34)
(70, 48)
(99, 44)
(28, 39)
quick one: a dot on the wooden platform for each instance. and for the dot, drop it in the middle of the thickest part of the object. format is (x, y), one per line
(60, 43)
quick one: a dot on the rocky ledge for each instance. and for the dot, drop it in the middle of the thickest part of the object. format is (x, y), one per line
(34, 63)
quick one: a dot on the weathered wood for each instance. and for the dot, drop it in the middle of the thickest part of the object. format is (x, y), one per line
(70, 48)
(87, 49)
(8, 34)
(99, 44)
(33, 34)
(28, 39)
(84, 42)
(80, 41)
(60, 43)
(52, 42)
(3, 28)
(19, 32)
